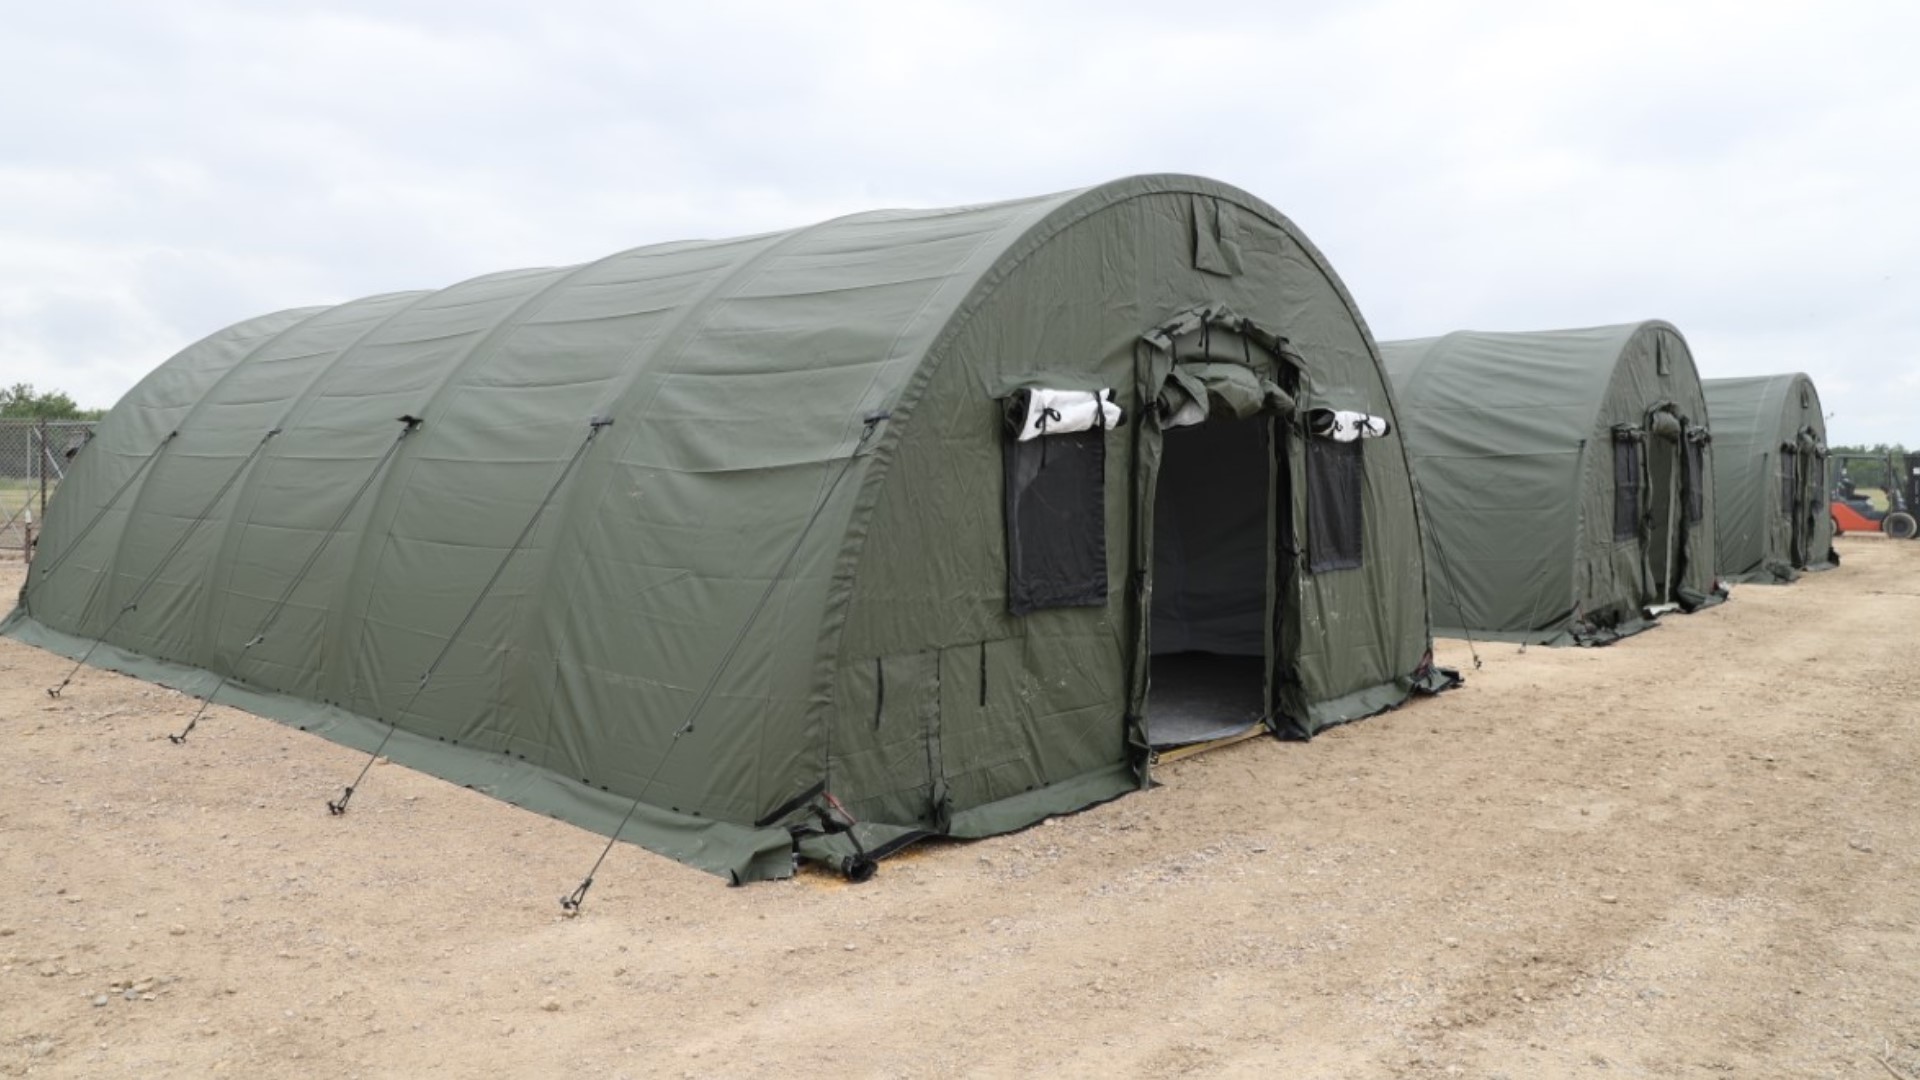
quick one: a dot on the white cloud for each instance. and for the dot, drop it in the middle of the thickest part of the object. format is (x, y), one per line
(1743, 169)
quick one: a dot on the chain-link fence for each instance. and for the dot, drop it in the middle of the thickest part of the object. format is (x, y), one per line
(34, 457)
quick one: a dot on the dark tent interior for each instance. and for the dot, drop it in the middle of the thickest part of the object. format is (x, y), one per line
(1212, 514)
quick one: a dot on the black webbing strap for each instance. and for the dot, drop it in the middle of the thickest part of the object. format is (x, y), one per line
(410, 424)
(40, 576)
(1048, 414)
(154, 574)
(571, 902)
(595, 426)
(983, 674)
(788, 807)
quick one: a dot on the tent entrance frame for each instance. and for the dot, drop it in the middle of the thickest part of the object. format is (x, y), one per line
(1214, 655)
(1665, 536)
(1809, 488)
(1208, 366)
(1796, 512)
(1665, 529)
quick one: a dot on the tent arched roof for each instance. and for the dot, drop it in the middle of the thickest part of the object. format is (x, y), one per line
(1528, 392)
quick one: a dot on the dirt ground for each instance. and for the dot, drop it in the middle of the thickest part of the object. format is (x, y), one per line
(1690, 854)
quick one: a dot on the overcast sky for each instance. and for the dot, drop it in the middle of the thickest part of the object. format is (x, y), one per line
(1748, 170)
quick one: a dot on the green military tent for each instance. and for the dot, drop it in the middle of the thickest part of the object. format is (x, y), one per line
(1769, 478)
(1563, 477)
(810, 543)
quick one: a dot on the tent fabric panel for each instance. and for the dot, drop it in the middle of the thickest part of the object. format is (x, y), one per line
(508, 367)
(1499, 539)
(167, 538)
(740, 431)
(886, 739)
(933, 573)
(1024, 713)
(1019, 811)
(1027, 703)
(1752, 419)
(1363, 630)
(1492, 412)
(312, 484)
(636, 634)
(1066, 316)
(1656, 369)
(212, 368)
(1495, 374)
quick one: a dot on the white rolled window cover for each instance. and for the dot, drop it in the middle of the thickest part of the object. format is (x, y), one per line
(1343, 425)
(1035, 412)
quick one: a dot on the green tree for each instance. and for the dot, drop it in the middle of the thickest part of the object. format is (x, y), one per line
(1866, 466)
(21, 402)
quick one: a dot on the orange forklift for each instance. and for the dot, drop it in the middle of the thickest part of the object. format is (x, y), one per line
(1853, 512)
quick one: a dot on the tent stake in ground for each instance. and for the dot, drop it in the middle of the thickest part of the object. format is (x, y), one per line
(154, 574)
(410, 424)
(336, 807)
(571, 902)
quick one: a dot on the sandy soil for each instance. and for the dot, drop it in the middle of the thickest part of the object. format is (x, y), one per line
(1691, 854)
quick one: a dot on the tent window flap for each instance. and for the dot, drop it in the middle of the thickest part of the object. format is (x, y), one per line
(1696, 476)
(1216, 237)
(1335, 476)
(1034, 413)
(1056, 517)
(1626, 489)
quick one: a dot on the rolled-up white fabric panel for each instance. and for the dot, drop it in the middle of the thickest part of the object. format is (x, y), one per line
(1342, 425)
(1061, 412)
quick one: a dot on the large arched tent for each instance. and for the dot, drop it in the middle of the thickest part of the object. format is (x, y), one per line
(864, 542)
(1769, 478)
(1563, 478)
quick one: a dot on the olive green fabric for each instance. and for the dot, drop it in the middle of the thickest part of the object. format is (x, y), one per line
(1769, 441)
(798, 503)
(1512, 437)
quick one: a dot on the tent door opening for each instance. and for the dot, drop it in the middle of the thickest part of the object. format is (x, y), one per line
(1212, 526)
(1799, 508)
(1666, 508)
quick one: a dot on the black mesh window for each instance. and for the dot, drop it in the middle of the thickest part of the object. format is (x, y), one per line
(1626, 490)
(1335, 471)
(1056, 511)
(1696, 471)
